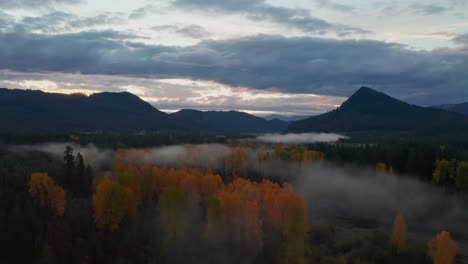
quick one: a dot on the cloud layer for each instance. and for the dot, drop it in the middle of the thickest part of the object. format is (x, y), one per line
(292, 65)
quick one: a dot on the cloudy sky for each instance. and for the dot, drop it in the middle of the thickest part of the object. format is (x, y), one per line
(260, 56)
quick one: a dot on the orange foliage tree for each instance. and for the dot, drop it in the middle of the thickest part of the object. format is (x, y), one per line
(236, 213)
(46, 194)
(294, 236)
(214, 221)
(236, 164)
(173, 212)
(442, 248)
(112, 203)
(398, 237)
(381, 167)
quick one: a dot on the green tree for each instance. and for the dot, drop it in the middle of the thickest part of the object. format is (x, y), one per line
(173, 212)
(461, 180)
(444, 173)
(294, 236)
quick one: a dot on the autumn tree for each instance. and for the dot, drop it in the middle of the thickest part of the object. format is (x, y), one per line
(294, 233)
(236, 164)
(444, 172)
(442, 248)
(46, 194)
(241, 217)
(381, 167)
(173, 212)
(312, 155)
(112, 203)
(214, 224)
(398, 237)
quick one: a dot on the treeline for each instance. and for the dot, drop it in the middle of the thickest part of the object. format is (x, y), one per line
(114, 140)
(452, 174)
(413, 158)
(61, 211)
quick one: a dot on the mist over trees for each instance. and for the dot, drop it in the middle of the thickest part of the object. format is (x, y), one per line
(242, 202)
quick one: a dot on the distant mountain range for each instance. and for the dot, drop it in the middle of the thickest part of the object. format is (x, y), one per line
(286, 118)
(372, 111)
(27, 110)
(229, 121)
(366, 111)
(457, 108)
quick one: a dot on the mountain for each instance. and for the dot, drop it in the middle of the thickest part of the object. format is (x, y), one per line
(457, 108)
(40, 111)
(230, 121)
(371, 111)
(28, 110)
(286, 118)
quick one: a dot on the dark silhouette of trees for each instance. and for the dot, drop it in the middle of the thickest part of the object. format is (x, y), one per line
(69, 167)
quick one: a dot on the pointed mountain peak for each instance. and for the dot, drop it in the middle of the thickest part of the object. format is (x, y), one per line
(367, 99)
(368, 92)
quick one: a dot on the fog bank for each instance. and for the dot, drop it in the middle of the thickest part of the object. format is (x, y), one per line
(300, 138)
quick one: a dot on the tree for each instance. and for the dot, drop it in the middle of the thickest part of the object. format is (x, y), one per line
(398, 237)
(294, 234)
(442, 248)
(381, 167)
(173, 212)
(461, 180)
(444, 172)
(89, 178)
(79, 182)
(236, 164)
(112, 203)
(69, 166)
(46, 194)
(214, 213)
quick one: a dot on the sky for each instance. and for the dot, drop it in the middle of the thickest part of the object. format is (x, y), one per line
(290, 57)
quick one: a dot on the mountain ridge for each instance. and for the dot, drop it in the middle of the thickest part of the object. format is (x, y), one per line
(107, 111)
(461, 108)
(368, 110)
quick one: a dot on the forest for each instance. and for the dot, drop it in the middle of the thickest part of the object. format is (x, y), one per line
(237, 202)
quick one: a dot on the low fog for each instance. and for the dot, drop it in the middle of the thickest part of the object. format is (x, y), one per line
(300, 138)
(364, 197)
(348, 196)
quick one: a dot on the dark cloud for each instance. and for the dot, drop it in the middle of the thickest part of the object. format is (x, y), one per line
(428, 9)
(165, 28)
(58, 21)
(190, 31)
(262, 11)
(293, 65)
(461, 39)
(335, 6)
(144, 11)
(423, 9)
(5, 20)
(194, 31)
(32, 4)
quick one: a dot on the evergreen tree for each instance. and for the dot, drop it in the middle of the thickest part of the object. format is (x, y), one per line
(69, 165)
(80, 178)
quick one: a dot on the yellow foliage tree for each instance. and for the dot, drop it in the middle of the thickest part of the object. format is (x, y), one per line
(46, 194)
(294, 232)
(398, 238)
(442, 248)
(112, 203)
(173, 212)
(381, 167)
(236, 164)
